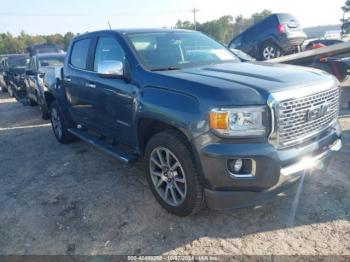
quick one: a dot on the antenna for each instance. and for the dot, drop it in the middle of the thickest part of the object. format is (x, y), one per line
(109, 25)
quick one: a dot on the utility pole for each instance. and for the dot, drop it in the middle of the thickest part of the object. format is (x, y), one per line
(194, 11)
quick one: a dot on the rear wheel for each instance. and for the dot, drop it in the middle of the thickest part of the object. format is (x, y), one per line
(60, 124)
(3, 89)
(44, 112)
(173, 175)
(31, 102)
(269, 51)
(43, 108)
(10, 91)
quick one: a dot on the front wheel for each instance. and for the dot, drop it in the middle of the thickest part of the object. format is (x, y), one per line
(173, 175)
(269, 51)
(60, 124)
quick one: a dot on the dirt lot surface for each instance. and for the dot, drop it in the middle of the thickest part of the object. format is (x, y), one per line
(74, 199)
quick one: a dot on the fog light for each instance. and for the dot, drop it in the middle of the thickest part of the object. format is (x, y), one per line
(235, 165)
(238, 165)
(241, 167)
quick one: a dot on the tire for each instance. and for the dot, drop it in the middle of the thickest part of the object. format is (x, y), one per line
(44, 112)
(31, 102)
(43, 109)
(269, 51)
(3, 89)
(178, 173)
(10, 91)
(60, 124)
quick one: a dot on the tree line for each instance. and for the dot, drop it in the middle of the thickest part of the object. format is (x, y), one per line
(222, 29)
(226, 27)
(10, 44)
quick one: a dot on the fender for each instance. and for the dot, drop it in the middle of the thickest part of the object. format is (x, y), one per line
(174, 108)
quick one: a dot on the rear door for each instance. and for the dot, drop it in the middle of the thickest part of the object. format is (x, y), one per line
(249, 41)
(76, 79)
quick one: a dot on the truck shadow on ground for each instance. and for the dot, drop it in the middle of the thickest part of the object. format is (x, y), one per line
(73, 199)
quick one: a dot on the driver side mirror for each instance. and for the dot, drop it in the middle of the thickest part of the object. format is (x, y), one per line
(110, 69)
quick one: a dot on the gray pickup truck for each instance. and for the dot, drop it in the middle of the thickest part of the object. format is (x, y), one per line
(209, 128)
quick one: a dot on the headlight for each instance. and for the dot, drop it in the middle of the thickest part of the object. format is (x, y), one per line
(238, 122)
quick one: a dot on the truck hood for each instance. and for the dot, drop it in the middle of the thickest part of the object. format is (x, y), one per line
(247, 81)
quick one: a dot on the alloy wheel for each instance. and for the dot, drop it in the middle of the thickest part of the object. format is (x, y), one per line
(56, 122)
(168, 176)
(269, 52)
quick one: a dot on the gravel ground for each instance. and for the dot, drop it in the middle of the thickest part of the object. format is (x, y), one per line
(74, 199)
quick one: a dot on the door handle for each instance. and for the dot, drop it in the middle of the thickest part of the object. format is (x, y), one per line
(91, 85)
(67, 79)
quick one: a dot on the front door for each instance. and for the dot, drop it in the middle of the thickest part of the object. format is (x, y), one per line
(113, 98)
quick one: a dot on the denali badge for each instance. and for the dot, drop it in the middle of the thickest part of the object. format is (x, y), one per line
(316, 112)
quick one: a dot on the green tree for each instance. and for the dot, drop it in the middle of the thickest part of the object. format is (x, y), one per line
(224, 28)
(10, 44)
(345, 21)
(256, 17)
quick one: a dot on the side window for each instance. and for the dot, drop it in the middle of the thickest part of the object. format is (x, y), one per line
(80, 53)
(108, 49)
(250, 35)
(237, 42)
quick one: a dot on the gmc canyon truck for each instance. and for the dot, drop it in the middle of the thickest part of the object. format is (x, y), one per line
(210, 129)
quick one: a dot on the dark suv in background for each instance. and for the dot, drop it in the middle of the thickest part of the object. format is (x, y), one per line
(15, 67)
(275, 35)
(44, 48)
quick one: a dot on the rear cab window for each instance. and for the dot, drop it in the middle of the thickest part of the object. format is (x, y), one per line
(289, 20)
(80, 53)
(51, 61)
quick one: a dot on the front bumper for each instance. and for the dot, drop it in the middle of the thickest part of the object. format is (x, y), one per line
(275, 169)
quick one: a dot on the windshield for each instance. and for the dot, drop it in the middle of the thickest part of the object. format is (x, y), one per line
(19, 61)
(51, 61)
(176, 50)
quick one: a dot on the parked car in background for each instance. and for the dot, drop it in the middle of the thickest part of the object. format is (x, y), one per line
(319, 43)
(15, 68)
(332, 34)
(210, 128)
(3, 86)
(275, 35)
(38, 67)
(44, 48)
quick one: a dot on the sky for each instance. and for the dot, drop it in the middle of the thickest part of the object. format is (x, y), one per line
(79, 16)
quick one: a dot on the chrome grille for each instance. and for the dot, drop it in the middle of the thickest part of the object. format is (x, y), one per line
(304, 117)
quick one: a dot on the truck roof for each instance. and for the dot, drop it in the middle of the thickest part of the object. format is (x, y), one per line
(135, 30)
(44, 55)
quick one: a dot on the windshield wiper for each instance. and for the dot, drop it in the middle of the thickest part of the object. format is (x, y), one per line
(166, 68)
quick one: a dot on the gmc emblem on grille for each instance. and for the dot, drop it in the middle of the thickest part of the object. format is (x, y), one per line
(317, 112)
